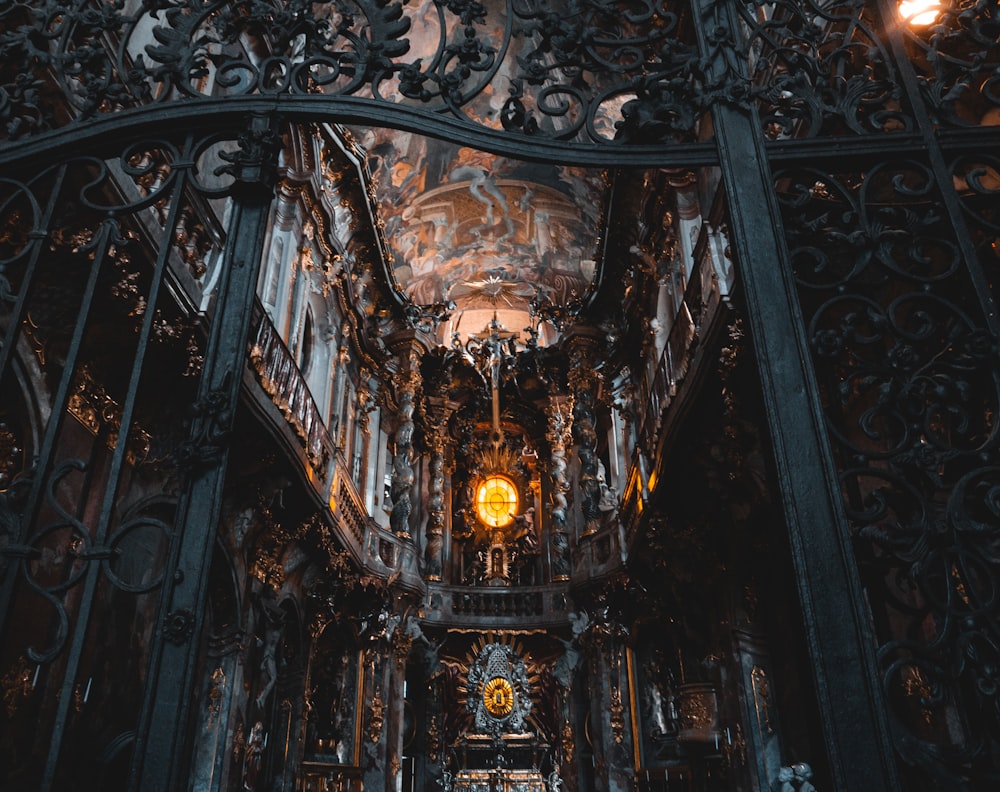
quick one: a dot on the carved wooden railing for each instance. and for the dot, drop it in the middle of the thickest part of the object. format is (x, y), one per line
(350, 509)
(521, 605)
(670, 371)
(281, 379)
(698, 308)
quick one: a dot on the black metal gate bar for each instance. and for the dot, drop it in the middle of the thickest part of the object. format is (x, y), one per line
(162, 732)
(40, 475)
(838, 633)
(38, 235)
(99, 533)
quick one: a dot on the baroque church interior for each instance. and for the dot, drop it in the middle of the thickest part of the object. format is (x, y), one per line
(441, 395)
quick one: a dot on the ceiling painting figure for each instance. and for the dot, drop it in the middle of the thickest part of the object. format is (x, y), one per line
(486, 233)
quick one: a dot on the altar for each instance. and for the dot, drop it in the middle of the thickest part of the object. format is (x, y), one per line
(500, 763)
(499, 781)
(501, 752)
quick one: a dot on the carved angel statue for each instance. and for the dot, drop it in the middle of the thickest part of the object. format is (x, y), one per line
(803, 773)
(784, 782)
(565, 667)
(554, 782)
(578, 622)
(795, 778)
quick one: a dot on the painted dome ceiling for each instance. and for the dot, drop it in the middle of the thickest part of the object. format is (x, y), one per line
(484, 232)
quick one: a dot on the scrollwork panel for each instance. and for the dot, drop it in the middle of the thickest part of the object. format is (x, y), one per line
(910, 387)
(956, 56)
(819, 69)
(86, 247)
(977, 180)
(592, 72)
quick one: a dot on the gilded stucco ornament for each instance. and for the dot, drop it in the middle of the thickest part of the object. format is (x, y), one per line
(498, 697)
(498, 691)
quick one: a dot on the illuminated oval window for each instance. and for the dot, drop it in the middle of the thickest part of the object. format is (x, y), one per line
(496, 501)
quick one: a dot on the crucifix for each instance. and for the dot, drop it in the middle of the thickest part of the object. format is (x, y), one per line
(491, 342)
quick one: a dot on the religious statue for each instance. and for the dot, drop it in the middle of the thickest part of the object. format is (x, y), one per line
(268, 666)
(565, 667)
(784, 783)
(796, 778)
(654, 701)
(253, 757)
(607, 503)
(803, 773)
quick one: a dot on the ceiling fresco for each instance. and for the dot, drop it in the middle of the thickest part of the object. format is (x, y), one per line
(489, 234)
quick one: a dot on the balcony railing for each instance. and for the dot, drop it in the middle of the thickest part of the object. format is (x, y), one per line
(697, 310)
(598, 555)
(670, 371)
(281, 379)
(350, 508)
(523, 605)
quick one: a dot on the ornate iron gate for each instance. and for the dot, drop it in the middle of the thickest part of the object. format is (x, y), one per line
(856, 149)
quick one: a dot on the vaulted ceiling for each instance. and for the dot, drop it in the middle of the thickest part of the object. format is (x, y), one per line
(486, 233)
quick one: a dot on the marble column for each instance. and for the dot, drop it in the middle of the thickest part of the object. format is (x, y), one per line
(377, 682)
(610, 699)
(215, 720)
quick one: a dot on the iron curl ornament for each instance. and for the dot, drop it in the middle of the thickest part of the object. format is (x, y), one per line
(587, 72)
(956, 57)
(821, 69)
(908, 371)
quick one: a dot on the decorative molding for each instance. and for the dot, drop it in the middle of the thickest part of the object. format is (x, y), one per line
(96, 411)
(178, 626)
(16, 685)
(376, 715)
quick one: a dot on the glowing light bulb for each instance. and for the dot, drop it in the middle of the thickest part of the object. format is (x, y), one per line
(919, 13)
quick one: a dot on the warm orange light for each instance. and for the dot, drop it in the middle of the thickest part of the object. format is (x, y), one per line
(496, 501)
(919, 13)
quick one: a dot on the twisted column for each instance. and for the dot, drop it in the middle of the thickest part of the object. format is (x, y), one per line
(585, 436)
(405, 383)
(437, 428)
(559, 436)
(583, 384)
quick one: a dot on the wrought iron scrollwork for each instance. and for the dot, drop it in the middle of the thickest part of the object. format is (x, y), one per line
(213, 418)
(957, 60)
(977, 179)
(619, 72)
(57, 561)
(591, 71)
(911, 390)
(821, 68)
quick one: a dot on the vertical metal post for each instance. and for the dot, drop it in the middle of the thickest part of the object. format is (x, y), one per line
(163, 726)
(838, 630)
